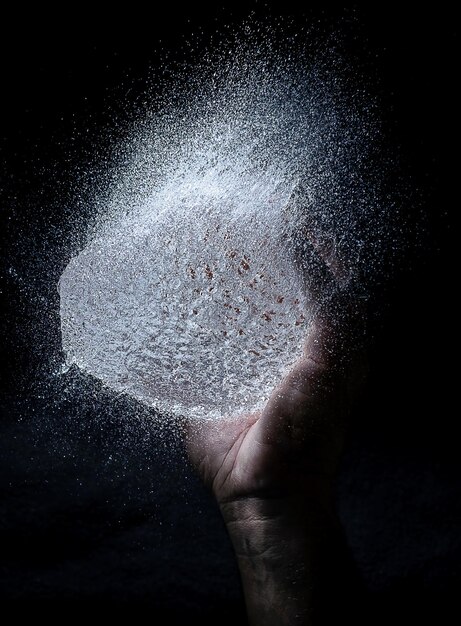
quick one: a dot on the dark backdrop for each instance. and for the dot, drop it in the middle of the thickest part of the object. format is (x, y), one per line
(100, 511)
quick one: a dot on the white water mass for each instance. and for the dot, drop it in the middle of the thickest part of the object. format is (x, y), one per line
(240, 205)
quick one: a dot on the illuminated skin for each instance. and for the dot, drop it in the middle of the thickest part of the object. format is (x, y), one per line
(273, 474)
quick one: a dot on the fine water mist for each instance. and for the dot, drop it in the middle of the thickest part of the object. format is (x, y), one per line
(246, 199)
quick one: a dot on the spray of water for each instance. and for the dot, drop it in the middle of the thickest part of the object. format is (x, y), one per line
(244, 202)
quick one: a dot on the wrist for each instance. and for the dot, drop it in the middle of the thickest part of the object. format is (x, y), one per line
(311, 501)
(290, 552)
(267, 530)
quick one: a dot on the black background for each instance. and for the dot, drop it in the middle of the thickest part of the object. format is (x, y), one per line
(100, 511)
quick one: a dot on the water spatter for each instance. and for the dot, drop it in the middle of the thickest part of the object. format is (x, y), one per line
(199, 288)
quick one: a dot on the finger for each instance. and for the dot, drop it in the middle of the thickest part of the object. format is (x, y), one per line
(313, 398)
(303, 396)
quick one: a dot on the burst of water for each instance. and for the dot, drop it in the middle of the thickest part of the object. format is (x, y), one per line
(197, 291)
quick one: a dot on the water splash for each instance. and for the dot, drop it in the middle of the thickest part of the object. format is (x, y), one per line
(197, 290)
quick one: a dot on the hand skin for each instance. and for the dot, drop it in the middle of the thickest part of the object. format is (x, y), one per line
(272, 474)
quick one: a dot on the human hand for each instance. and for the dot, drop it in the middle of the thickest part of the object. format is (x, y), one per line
(294, 443)
(272, 474)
